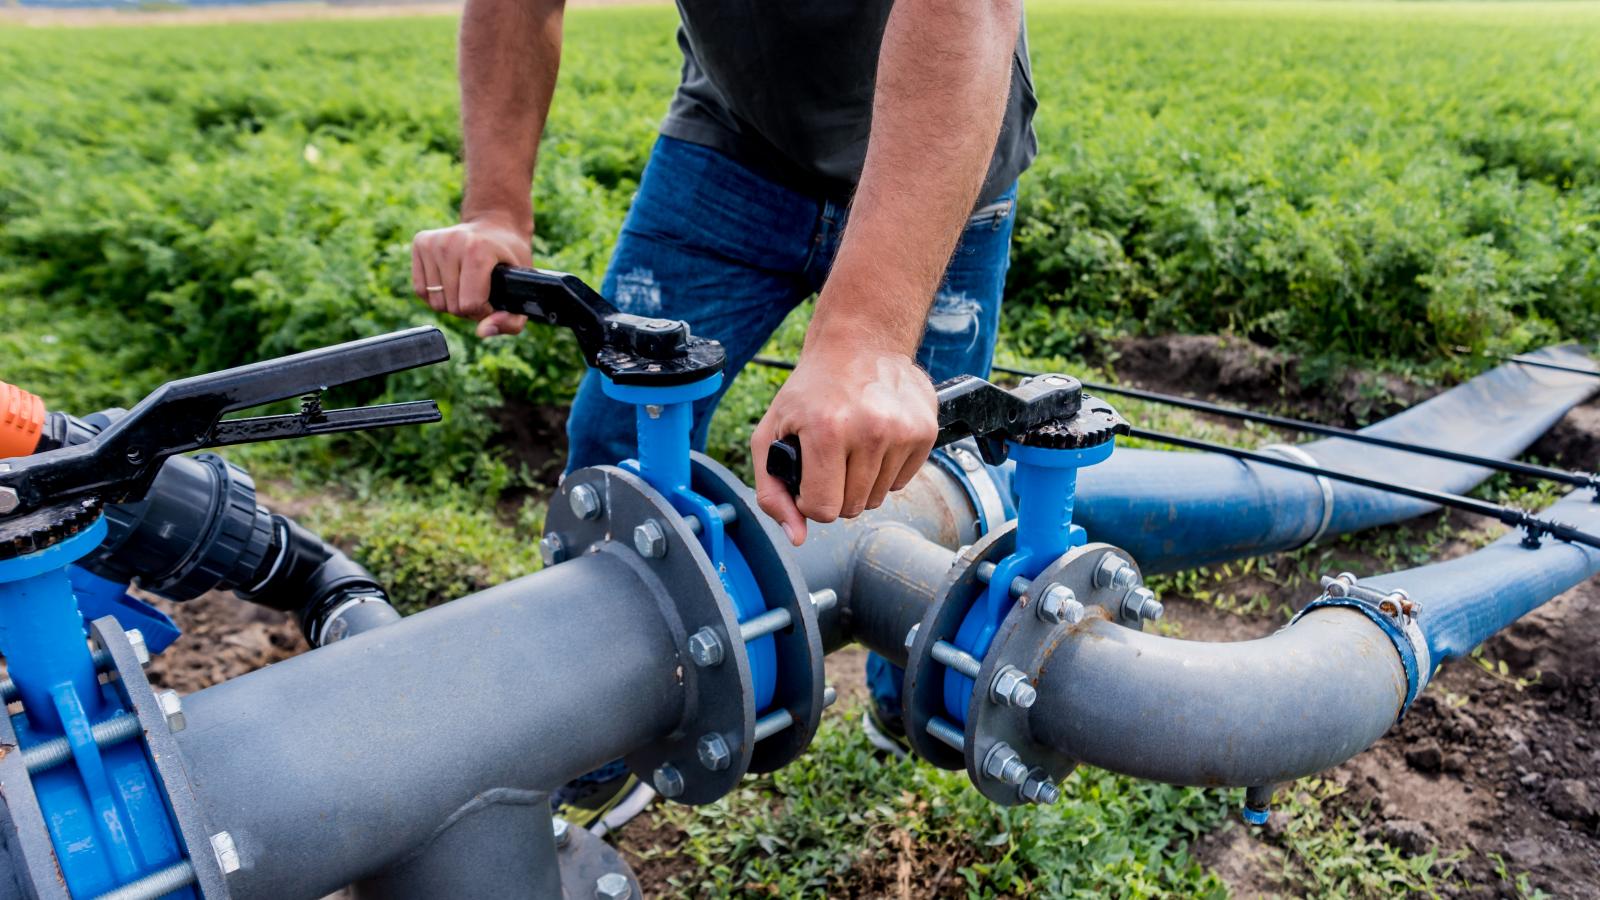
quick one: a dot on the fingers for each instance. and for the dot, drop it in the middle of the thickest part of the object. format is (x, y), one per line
(473, 289)
(419, 284)
(823, 478)
(498, 322)
(771, 494)
(861, 477)
(888, 477)
(431, 288)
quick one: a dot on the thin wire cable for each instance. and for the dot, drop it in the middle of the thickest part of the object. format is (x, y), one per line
(1562, 476)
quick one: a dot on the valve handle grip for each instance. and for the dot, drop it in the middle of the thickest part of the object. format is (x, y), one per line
(968, 407)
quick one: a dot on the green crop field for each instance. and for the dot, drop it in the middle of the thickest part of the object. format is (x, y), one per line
(1392, 186)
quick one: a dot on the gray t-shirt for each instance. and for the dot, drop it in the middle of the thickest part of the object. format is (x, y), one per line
(785, 87)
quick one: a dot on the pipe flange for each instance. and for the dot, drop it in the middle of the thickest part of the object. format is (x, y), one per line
(1023, 644)
(923, 695)
(134, 690)
(719, 696)
(799, 647)
(586, 859)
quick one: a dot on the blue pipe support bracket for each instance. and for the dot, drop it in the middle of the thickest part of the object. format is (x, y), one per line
(665, 416)
(1045, 484)
(99, 597)
(106, 809)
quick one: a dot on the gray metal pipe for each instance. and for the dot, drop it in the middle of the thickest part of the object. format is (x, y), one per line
(332, 766)
(1235, 713)
(499, 845)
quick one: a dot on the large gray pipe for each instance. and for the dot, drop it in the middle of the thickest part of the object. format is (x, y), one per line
(332, 766)
(1242, 713)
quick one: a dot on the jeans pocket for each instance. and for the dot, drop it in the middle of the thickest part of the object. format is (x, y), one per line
(992, 214)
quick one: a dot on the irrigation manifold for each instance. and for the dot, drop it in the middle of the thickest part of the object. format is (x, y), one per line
(674, 627)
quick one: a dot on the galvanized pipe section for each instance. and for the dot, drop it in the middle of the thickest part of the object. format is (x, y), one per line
(1237, 713)
(330, 767)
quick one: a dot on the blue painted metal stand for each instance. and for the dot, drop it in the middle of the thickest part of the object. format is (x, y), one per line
(104, 805)
(1045, 483)
(665, 416)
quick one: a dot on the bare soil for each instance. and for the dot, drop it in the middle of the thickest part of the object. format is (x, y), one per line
(1486, 764)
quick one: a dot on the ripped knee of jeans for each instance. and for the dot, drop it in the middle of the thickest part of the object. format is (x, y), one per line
(953, 318)
(638, 292)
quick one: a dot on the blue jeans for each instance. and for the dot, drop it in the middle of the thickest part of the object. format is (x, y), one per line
(732, 252)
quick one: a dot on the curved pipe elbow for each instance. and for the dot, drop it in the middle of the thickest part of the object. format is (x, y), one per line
(1239, 713)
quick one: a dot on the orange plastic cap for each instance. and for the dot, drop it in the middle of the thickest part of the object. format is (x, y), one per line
(21, 421)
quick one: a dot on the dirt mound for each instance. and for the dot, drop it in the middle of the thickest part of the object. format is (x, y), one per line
(1234, 370)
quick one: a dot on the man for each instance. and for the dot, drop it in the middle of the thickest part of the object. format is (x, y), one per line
(865, 151)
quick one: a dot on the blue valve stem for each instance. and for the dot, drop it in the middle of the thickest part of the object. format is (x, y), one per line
(663, 432)
(42, 633)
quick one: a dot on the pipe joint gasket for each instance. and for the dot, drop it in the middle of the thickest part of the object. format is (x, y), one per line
(1403, 630)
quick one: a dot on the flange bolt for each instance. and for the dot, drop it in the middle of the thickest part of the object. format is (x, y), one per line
(1059, 605)
(713, 751)
(668, 781)
(650, 540)
(1039, 789)
(1011, 687)
(141, 650)
(551, 550)
(705, 648)
(612, 886)
(1140, 604)
(563, 832)
(585, 502)
(1115, 573)
(172, 708)
(1004, 764)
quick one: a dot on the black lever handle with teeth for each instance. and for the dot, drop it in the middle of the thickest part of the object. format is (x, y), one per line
(118, 464)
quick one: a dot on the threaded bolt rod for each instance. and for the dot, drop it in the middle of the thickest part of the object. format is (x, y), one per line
(772, 723)
(724, 510)
(946, 733)
(157, 884)
(764, 624)
(54, 752)
(956, 658)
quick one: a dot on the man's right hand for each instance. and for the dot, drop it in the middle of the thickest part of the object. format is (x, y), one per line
(450, 269)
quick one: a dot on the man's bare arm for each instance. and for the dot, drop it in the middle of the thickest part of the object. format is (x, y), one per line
(863, 411)
(510, 53)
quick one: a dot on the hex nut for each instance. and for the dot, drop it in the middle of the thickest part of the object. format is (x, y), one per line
(1004, 764)
(227, 852)
(705, 648)
(1059, 605)
(713, 752)
(172, 708)
(650, 540)
(141, 650)
(1038, 788)
(612, 886)
(8, 500)
(1011, 688)
(563, 832)
(551, 549)
(585, 502)
(1140, 604)
(668, 781)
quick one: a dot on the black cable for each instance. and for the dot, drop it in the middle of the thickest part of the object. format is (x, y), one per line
(1547, 473)
(1531, 361)
(1515, 518)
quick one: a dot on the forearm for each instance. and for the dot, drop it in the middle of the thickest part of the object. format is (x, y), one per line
(509, 55)
(944, 72)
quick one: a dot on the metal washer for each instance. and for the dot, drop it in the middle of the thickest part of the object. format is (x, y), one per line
(799, 647)
(923, 694)
(1026, 641)
(690, 596)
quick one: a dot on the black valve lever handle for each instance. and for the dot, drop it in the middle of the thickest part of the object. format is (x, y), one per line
(119, 463)
(628, 349)
(968, 407)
